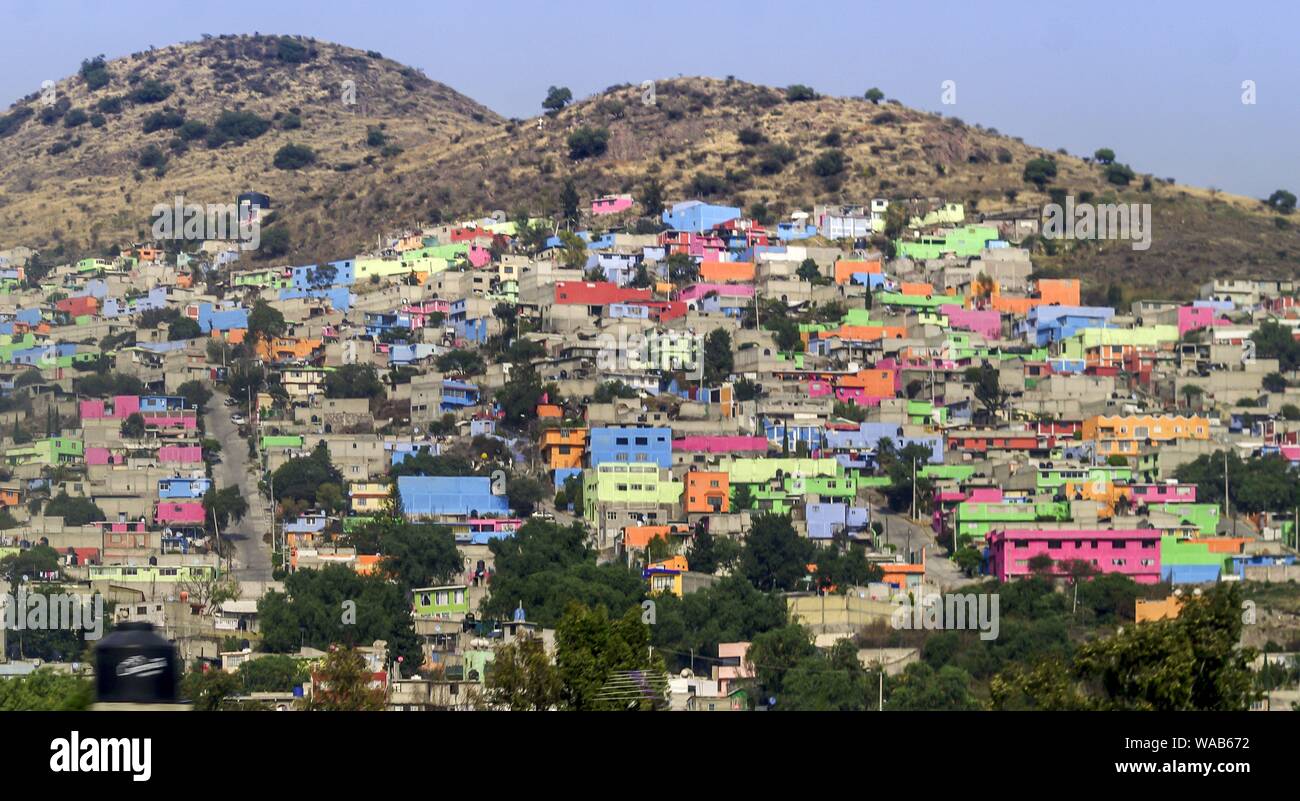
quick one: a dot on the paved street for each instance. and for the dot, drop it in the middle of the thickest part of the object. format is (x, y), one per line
(252, 557)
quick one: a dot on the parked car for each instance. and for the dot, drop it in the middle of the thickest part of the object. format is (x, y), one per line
(238, 419)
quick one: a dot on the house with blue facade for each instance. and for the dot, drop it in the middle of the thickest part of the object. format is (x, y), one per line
(868, 435)
(1046, 324)
(213, 319)
(826, 519)
(179, 487)
(698, 216)
(450, 497)
(632, 444)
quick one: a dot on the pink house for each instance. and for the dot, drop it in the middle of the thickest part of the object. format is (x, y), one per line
(732, 666)
(611, 204)
(180, 454)
(185, 513)
(122, 407)
(1130, 552)
(1164, 493)
(478, 255)
(697, 291)
(987, 323)
(721, 444)
(99, 455)
(1192, 317)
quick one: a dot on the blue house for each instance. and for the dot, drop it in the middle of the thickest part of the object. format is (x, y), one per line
(183, 487)
(450, 496)
(825, 519)
(785, 435)
(698, 216)
(633, 444)
(1047, 324)
(213, 319)
(869, 434)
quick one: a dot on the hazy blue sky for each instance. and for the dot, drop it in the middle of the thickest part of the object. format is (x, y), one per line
(1158, 82)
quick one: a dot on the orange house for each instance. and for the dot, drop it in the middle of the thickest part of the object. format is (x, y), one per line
(725, 271)
(708, 493)
(916, 289)
(287, 348)
(638, 537)
(845, 268)
(563, 447)
(9, 496)
(1228, 545)
(1127, 435)
(868, 333)
(873, 383)
(1062, 291)
(1150, 611)
(900, 574)
(1011, 304)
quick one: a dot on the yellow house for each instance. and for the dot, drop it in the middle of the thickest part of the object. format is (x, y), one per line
(368, 497)
(666, 575)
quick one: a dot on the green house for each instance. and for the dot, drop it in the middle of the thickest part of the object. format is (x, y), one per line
(448, 602)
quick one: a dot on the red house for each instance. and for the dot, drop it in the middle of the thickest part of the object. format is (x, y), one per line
(596, 293)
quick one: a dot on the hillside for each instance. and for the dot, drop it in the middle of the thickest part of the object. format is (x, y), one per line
(458, 158)
(71, 173)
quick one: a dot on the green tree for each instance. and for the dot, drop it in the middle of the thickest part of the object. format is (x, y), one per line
(1190, 663)
(1039, 171)
(524, 493)
(522, 677)
(652, 198)
(1104, 155)
(588, 142)
(1282, 201)
(1119, 174)
(718, 358)
(557, 97)
(775, 557)
(875, 96)
(316, 608)
(569, 201)
(265, 322)
(774, 653)
(343, 684)
(209, 689)
(592, 654)
(546, 565)
(44, 690)
(798, 93)
(225, 506)
(183, 328)
(272, 673)
(294, 157)
(354, 381)
(299, 478)
(74, 511)
(133, 426)
(834, 682)
(987, 388)
(922, 688)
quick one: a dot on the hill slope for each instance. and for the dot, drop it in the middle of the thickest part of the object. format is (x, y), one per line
(72, 172)
(459, 158)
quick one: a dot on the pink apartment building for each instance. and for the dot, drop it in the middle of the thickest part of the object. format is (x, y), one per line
(1130, 552)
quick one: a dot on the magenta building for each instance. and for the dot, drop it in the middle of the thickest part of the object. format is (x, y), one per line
(1130, 552)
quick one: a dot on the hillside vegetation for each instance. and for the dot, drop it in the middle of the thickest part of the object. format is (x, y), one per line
(412, 150)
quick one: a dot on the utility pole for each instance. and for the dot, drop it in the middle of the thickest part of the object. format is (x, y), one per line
(913, 487)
